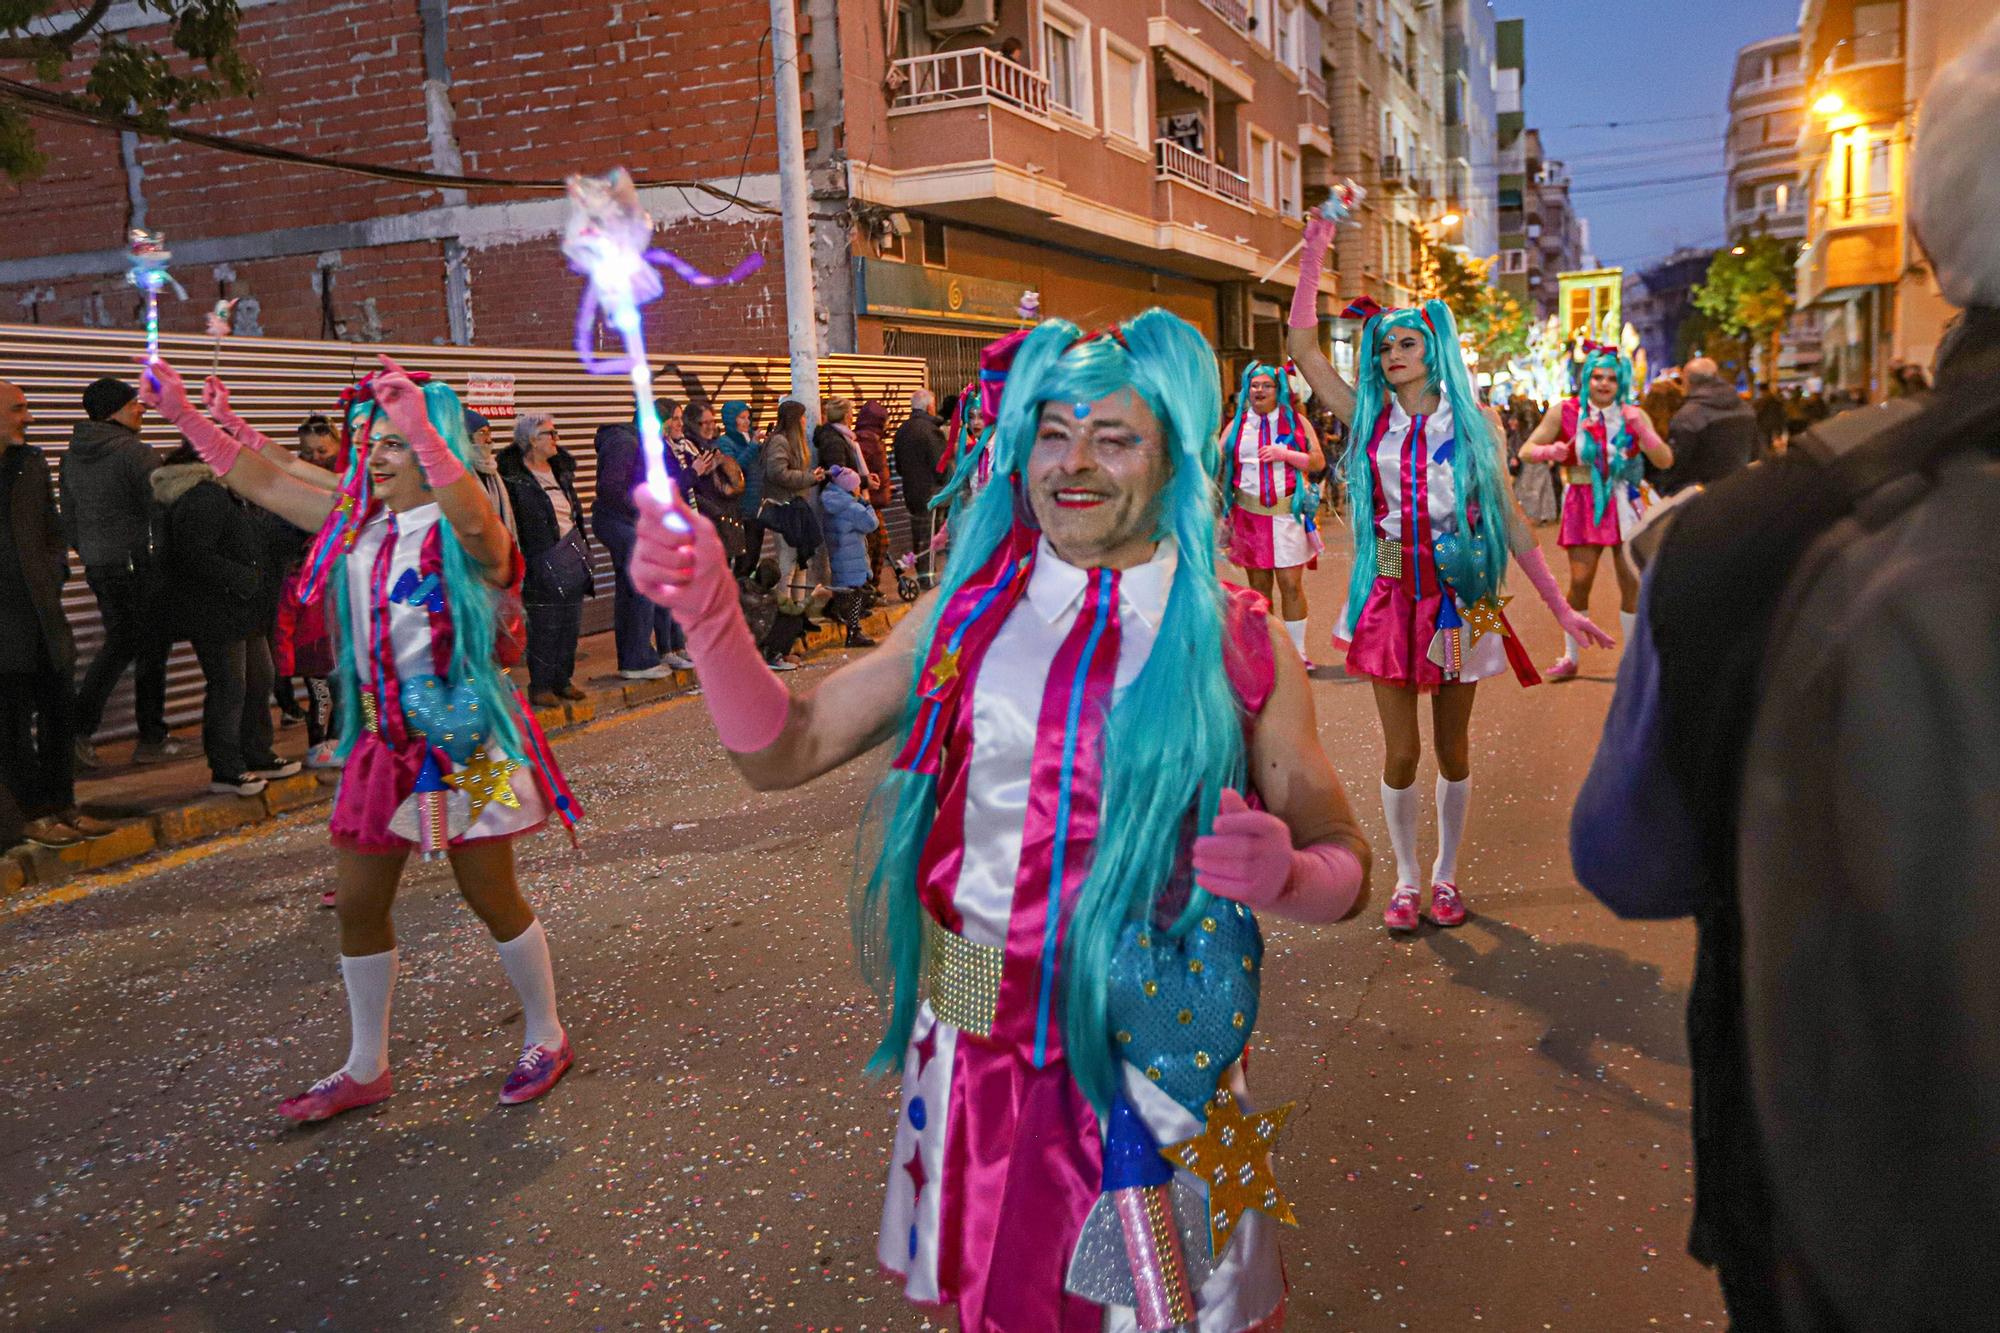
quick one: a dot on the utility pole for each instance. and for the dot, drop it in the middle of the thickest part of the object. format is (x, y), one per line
(801, 304)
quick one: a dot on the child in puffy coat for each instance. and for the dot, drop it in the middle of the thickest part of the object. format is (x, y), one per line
(849, 520)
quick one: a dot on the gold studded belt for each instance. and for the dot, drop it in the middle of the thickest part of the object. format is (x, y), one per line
(371, 712)
(963, 978)
(1577, 476)
(1388, 558)
(1249, 503)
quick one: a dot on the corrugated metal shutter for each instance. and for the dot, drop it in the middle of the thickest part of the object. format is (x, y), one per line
(276, 383)
(953, 358)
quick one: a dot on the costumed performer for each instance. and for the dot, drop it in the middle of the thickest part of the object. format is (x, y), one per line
(1273, 506)
(1071, 971)
(1434, 522)
(440, 753)
(1603, 450)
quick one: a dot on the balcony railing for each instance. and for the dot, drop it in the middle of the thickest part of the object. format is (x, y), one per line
(1233, 12)
(1392, 173)
(1177, 163)
(1316, 84)
(1855, 210)
(1863, 48)
(953, 78)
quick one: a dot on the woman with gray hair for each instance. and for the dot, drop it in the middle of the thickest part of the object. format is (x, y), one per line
(541, 480)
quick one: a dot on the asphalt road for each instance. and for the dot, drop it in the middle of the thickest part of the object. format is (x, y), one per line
(1491, 1131)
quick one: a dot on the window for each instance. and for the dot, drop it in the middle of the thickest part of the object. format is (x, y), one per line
(1284, 39)
(1263, 169)
(931, 232)
(1746, 198)
(1260, 21)
(1064, 42)
(1288, 182)
(1124, 91)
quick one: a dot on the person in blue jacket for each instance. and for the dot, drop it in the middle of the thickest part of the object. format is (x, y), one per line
(849, 520)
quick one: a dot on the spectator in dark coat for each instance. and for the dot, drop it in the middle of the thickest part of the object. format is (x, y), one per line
(106, 504)
(1712, 435)
(37, 655)
(222, 590)
(869, 420)
(919, 445)
(1770, 413)
(648, 641)
(832, 445)
(541, 481)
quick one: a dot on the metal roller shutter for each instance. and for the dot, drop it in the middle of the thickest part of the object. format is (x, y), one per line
(276, 383)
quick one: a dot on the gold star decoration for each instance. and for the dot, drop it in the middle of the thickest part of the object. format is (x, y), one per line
(484, 779)
(1483, 617)
(1232, 1156)
(944, 670)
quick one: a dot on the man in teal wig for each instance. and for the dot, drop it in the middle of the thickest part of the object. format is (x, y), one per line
(1106, 759)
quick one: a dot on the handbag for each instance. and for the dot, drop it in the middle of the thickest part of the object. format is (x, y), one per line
(562, 572)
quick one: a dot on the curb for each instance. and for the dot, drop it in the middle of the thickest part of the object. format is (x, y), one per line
(204, 817)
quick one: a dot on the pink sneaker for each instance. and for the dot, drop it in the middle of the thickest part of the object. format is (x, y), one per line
(1447, 908)
(332, 1095)
(327, 899)
(535, 1073)
(1401, 913)
(1564, 669)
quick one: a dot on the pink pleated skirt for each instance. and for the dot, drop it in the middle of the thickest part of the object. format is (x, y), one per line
(1580, 524)
(378, 778)
(1391, 641)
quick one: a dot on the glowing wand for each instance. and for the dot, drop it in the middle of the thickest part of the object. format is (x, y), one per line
(607, 240)
(146, 252)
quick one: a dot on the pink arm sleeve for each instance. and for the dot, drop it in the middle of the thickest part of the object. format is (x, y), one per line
(1312, 258)
(1323, 884)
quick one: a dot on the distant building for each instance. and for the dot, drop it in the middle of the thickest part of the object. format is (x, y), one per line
(1471, 124)
(1555, 239)
(1766, 103)
(1510, 75)
(1658, 300)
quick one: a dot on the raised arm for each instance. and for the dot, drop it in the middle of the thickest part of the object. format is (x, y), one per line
(459, 494)
(1542, 445)
(1303, 856)
(245, 471)
(215, 399)
(1656, 450)
(1302, 339)
(775, 740)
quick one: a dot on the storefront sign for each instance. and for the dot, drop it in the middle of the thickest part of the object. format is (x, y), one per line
(886, 288)
(492, 396)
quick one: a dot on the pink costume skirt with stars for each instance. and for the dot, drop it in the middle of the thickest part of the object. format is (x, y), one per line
(377, 782)
(1391, 641)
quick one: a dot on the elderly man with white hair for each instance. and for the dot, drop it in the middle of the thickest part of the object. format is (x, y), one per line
(1804, 739)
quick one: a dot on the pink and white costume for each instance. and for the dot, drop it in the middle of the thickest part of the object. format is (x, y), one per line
(998, 1154)
(1581, 525)
(1397, 633)
(399, 623)
(1263, 531)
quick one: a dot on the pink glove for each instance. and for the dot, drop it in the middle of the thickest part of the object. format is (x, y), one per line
(161, 388)
(1574, 623)
(402, 401)
(1545, 453)
(215, 397)
(678, 562)
(1248, 857)
(1312, 257)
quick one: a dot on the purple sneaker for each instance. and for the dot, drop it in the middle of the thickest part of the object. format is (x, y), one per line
(536, 1072)
(332, 1095)
(1402, 910)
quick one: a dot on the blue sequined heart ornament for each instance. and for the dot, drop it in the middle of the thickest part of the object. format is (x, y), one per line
(1182, 1010)
(448, 716)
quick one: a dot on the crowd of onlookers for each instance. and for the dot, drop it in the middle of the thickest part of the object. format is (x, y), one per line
(173, 556)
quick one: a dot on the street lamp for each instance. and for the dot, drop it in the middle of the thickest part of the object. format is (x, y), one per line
(1736, 250)
(1829, 104)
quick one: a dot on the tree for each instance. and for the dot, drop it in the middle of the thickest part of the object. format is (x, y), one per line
(1491, 318)
(122, 77)
(1748, 293)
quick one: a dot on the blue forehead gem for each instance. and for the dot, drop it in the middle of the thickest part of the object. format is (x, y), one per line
(1082, 410)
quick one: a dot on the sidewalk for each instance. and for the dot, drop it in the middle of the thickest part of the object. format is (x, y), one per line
(169, 805)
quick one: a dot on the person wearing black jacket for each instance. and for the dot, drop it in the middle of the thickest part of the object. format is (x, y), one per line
(222, 591)
(918, 445)
(1712, 434)
(647, 639)
(106, 503)
(541, 481)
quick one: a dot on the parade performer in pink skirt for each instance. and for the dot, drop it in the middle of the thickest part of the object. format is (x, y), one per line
(1273, 506)
(1434, 523)
(1603, 448)
(1106, 767)
(441, 754)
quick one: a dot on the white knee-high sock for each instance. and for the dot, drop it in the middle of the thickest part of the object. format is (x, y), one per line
(1297, 629)
(1401, 806)
(1453, 798)
(526, 958)
(1571, 648)
(370, 978)
(1627, 621)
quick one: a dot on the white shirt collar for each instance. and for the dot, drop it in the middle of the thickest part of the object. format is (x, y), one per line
(1056, 587)
(1399, 420)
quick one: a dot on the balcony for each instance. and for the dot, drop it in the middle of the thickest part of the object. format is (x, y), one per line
(1851, 241)
(1232, 12)
(1392, 173)
(1863, 48)
(961, 78)
(1316, 85)
(1177, 163)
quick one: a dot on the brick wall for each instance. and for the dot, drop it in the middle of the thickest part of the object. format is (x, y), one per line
(666, 88)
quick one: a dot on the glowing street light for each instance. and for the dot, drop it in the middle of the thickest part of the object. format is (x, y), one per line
(1736, 250)
(1830, 104)
(1448, 221)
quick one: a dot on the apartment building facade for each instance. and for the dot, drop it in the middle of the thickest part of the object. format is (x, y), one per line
(1471, 123)
(1510, 132)
(1766, 107)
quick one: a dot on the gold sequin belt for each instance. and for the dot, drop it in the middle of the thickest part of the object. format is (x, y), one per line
(1249, 503)
(963, 978)
(1388, 558)
(371, 712)
(1577, 476)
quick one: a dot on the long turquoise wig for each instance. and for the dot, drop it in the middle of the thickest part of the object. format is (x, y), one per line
(1303, 508)
(1623, 465)
(467, 593)
(1153, 775)
(1476, 565)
